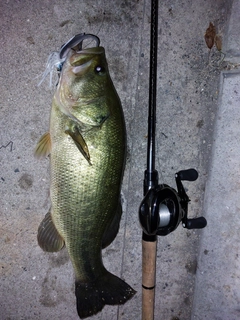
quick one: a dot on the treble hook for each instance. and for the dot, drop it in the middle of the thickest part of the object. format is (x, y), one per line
(77, 41)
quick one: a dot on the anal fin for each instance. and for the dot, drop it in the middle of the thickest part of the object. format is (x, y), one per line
(48, 237)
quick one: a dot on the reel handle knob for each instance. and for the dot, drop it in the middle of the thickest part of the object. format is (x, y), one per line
(189, 174)
(196, 223)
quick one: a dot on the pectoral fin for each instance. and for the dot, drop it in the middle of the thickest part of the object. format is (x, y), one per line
(48, 237)
(43, 147)
(79, 141)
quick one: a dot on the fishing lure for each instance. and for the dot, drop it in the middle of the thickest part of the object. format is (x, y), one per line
(57, 59)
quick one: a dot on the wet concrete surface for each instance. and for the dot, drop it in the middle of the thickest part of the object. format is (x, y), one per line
(38, 285)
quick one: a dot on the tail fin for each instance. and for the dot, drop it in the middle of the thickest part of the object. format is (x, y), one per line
(107, 289)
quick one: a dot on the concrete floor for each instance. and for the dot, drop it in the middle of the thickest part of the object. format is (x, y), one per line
(38, 285)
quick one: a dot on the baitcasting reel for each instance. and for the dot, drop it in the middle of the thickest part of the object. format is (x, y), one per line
(163, 208)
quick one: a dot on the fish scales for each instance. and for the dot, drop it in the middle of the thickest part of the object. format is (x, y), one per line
(87, 140)
(72, 177)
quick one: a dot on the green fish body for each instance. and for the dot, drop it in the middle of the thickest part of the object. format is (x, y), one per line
(87, 142)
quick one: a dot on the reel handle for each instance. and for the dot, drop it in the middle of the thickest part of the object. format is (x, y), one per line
(189, 174)
(196, 223)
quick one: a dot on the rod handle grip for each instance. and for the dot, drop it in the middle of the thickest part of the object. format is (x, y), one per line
(149, 254)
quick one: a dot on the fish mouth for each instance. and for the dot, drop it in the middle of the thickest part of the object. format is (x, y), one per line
(81, 60)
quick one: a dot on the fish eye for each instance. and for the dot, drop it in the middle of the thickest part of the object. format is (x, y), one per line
(100, 70)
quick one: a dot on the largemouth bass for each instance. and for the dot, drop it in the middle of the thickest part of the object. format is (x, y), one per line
(87, 146)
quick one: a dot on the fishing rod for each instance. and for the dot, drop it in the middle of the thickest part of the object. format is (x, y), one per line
(162, 208)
